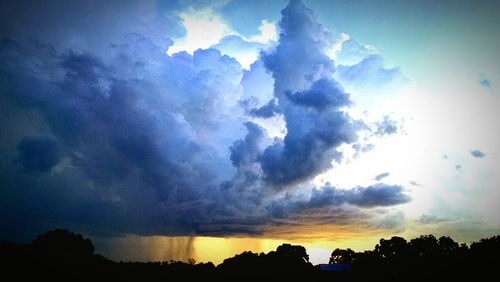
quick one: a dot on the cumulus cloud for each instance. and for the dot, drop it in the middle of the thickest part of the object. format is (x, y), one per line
(266, 111)
(156, 139)
(246, 52)
(370, 72)
(257, 85)
(245, 152)
(352, 53)
(129, 139)
(203, 28)
(309, 99)
(323, 94)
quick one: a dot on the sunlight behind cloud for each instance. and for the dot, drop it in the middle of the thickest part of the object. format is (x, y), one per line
(207, 29)
(267, 31)
(204, 28)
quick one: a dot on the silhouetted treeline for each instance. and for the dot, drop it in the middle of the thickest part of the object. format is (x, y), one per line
(62, 255)
(425, 257)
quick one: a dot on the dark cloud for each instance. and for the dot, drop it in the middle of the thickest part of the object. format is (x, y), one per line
(381, 176)
(378, 195)
(306, 41)
(62, 23)
(477, 154)
(323, 94)
(141, 142)
(266, 111)
(245, 152)
(458, 167)
(138, 141)
(309, 99)
(38, 153)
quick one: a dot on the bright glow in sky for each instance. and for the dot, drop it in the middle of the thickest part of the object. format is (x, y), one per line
(203, 29)
(313, 123)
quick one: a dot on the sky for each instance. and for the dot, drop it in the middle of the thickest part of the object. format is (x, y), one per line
(184, 129)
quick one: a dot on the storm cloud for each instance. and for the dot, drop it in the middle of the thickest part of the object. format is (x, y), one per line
(38, 153)
(328, 197)
(310, 100)
(112, 136)
(365, 197)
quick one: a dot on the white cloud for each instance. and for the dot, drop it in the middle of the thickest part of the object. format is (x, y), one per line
(204, 28)
(268, 32)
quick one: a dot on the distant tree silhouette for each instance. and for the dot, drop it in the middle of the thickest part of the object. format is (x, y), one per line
(448, 247)
(425, 247)
(343, 256)
(392, 249)
(286, 260)
(292, 253)
(485, 254)
(63, 255)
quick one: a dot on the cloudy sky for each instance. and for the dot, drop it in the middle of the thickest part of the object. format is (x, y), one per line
(176, 129)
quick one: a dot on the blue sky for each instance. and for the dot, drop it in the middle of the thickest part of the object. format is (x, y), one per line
(320, 121)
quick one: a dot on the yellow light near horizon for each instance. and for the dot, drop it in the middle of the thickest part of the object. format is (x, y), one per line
(319, 244)
(216, 249)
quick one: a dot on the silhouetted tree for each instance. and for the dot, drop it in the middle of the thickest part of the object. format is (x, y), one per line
(62, 255)
(343, 256)
(286, 260)
(448, 247)
(63, 245)
(293, 253)
(394, 254)
(391, 249)
(425, 248)
(486, 252)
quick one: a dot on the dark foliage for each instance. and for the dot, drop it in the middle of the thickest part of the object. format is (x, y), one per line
(61, 255)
